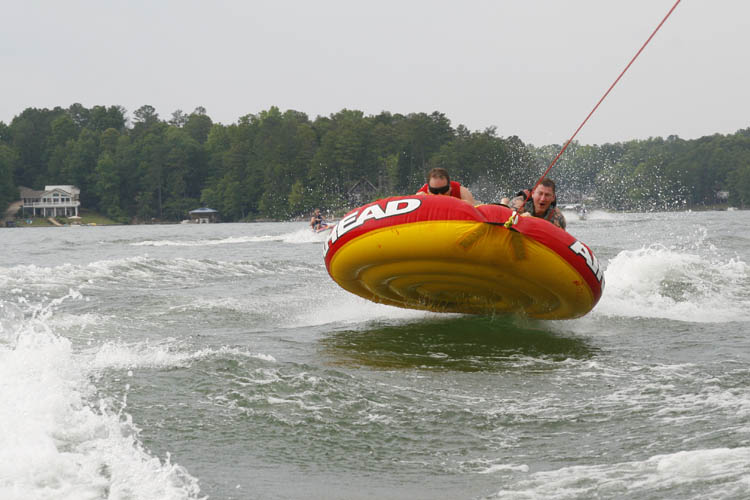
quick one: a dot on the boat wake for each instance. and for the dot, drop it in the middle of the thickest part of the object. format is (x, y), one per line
(60, 439)
(658, 282)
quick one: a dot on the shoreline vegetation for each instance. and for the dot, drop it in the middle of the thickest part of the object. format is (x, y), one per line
(95, 219)
(280, 165)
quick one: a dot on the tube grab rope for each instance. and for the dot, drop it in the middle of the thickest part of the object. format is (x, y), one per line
(511, 220)
(508, 223)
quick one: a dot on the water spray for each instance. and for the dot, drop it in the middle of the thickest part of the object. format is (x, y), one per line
(514, 217)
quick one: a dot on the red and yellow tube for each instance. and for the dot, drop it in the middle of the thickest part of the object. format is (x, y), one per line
(440, 254)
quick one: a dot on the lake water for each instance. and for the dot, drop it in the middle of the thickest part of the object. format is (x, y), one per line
(221, 361)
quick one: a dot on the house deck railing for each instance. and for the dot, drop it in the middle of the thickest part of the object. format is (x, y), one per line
(51, 204)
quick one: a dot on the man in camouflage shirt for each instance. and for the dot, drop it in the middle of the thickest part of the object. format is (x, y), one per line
(542, 203)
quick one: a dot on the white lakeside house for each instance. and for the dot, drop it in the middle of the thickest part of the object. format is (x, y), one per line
(54, 201)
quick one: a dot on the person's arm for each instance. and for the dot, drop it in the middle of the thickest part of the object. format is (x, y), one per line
(517, 203)
(468, 197)
(558, 219)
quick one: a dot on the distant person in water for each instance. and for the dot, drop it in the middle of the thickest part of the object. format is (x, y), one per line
(582, 212)
(317, 220)
(542, 203)
(440, 183)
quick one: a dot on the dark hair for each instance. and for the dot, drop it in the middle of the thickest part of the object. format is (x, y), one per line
(547, 182)
(438, 172)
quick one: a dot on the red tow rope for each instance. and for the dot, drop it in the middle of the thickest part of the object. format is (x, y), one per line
(600, 101)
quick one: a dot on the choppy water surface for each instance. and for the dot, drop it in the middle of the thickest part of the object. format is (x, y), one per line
(221, 361)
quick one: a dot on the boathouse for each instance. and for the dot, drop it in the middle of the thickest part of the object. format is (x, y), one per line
(204, 215)
(361, 192)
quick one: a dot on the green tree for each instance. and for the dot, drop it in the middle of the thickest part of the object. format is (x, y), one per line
(8, 164)
(29, 133)
(63, 131)
(198, 125)
(739, 186)
(183, 175)
(102, 118)
(4, 133)
(79, 165)
(107, 187)
(145, 118)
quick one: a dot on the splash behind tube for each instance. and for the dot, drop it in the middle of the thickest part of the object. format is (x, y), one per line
(440, 254)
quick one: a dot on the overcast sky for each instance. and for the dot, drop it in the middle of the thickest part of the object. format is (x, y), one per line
(532, 68)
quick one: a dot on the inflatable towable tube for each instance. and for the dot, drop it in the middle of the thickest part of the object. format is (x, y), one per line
(440, 254)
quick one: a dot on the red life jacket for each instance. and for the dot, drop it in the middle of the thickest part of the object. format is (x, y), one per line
(455, 189)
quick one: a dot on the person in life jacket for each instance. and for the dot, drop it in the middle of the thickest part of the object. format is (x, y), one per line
(440, 183)
(317, 220)
(542, 203)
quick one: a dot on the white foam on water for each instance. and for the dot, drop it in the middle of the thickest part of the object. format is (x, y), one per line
(143, 268)
(57, 440)
(673, 394)
(305, 235)
(26, 275)
(309, 306)
(75, 321)
(138, 355)
(705, 404)
(572, 216)
(239, 304)
(491, 469)
(603, 215)
(10, 317)
(657, 282)
(232, 240)
(162, 354)
(346, 308)
(724, 469)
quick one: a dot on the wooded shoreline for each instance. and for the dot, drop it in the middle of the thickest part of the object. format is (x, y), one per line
(278, 165)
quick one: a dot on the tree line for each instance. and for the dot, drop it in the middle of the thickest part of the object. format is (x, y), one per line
(279, 165)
